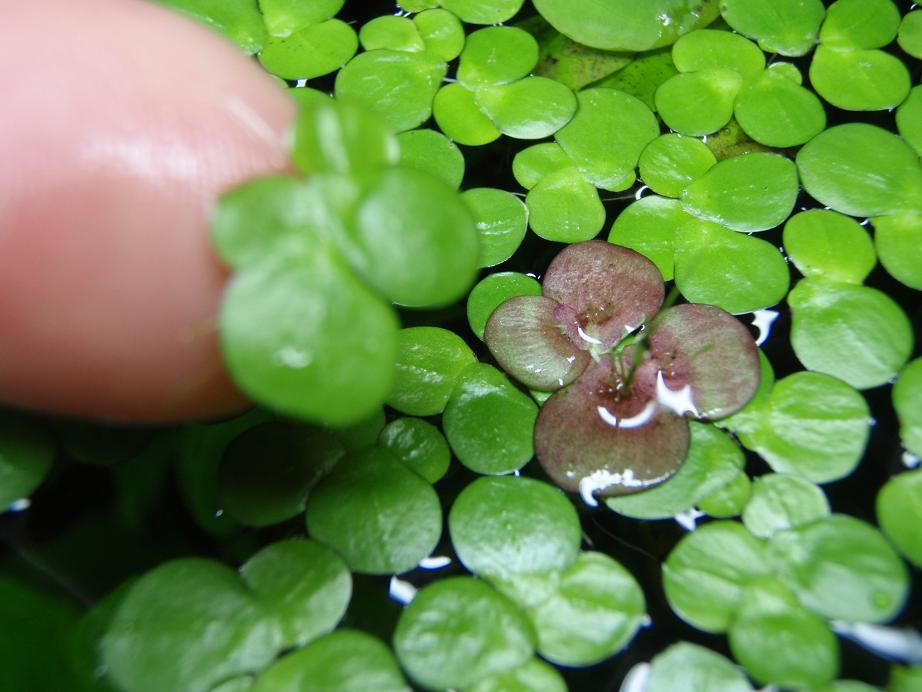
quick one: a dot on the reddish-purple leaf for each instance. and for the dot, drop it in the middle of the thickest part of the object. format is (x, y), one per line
(600, 436)
(612, 289)
(528, 337)
(710, 352)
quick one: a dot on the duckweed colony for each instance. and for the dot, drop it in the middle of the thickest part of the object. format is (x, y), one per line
(584, 352)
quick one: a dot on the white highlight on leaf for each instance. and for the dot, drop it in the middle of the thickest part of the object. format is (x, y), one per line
(401, 591)
(892, 643)
(20, 505)
(586, 337)
(636, 679)
(602, 479)
(688, 519)
(635, 421)
(910, 460)
(679, 400)
(435, 562)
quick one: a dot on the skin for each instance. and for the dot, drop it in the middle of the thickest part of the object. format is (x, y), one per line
(122, 124)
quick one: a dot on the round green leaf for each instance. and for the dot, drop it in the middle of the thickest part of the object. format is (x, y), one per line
(483, 11)
(779, 642)
(699, 670)
(728, 501)
(313, 51)
(284, 17)
(501, 219)
(861, 170)
(627, 25)
(905, 678)
(502, 527)
(497, 55)
(671, 162)
(300, 334)
(648, 226)
(429, 361)
(534, 676)
(777, 112)
(304, 586)
(607, 135)
(595, 612)
(187, 625)
(380, 516)
(564, 208)
(391, 32)
(442, 33)
(909, 115)
(339, 138)
(414, 239)
(826, 244)
(752, 192)
(458, 631)
(734, 271)
(856, 333)
(907, 401)
(397, 86)
(419, 445)
(787, 27)
(250, 221)
(488, 422)
(899, 513)
(708, 48)
(859, 80)
(713, 461)
(533, 163)
(26, 455)
(268, 470)
(460, 118)
(433, 152)
(815, 426)
(860, 24)
(780, 501)
(898, 239)
(241, 22)
(910, 34)
(705, 573)
(698, 103)
(531, 108)
(344, 660)
(842, 569)
(493, 291)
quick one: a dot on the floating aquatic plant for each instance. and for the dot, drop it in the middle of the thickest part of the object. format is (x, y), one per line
(693, 136)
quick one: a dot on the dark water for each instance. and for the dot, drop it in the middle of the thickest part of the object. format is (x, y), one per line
(90, 527)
